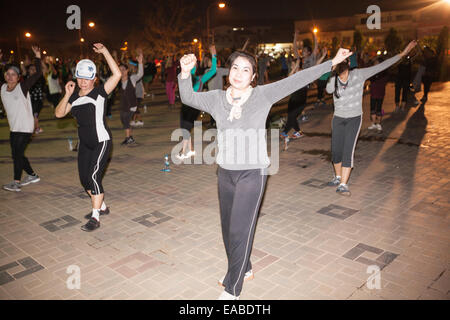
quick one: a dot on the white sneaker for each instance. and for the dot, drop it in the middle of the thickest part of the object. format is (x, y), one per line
(248, 276)
(190, 154)
(139, 123)
(133, 123)
(379, 128)
(227, 296)
(373, 127)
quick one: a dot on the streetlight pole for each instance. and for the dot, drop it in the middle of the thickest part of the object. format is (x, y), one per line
(221, 5)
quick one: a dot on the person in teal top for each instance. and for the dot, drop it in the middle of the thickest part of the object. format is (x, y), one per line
(188, 114)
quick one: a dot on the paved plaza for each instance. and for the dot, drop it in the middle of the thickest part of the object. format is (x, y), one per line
(162, 239)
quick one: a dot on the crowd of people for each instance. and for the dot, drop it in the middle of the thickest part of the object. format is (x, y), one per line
(87, 90)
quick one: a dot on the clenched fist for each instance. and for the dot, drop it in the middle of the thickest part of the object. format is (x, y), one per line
(187, 62)
(341, 55)
(70, 87)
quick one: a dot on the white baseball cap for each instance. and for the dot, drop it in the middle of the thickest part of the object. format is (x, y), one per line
(86, 69)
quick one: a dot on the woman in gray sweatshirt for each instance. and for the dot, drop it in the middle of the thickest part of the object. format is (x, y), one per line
(240, 113)
(347, 88)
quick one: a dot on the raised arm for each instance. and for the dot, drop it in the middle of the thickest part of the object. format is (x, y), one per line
(294, 45)
(369, 72)
(30, 81)
(64, 106)
(324, 54)
(203, 101)
(135, 77)
(245, 44)
(114, 79)
(212, 71)
(315, 51)
(276, 91)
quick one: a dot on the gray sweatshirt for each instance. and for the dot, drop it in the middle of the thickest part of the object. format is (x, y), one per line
(242, 142)
(351, 93)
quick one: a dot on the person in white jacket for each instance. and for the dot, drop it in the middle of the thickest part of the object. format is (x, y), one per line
(16, 100)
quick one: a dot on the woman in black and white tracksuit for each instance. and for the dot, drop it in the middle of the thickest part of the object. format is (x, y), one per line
(347, 87)
(16, 100)
(88, 106)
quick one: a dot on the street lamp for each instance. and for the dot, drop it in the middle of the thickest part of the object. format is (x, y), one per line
(315, 30)
(220, 5)
(28, 35)
(91, 24)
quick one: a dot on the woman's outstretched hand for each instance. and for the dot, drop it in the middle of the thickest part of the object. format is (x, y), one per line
(99, 48)
(187, 62)
(408, 48)
(341, 55)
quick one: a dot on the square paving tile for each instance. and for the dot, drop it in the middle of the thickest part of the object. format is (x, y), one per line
(338, 212)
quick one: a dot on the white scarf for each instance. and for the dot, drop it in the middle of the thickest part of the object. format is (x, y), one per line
(236, 110)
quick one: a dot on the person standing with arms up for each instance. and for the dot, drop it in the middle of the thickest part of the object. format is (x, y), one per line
(128, 100)
(17, 103)
(347, 89)
(241, 113)
(88, 106)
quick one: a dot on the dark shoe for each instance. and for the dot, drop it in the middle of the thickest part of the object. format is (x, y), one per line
(91, 225)
(131, 140)
(89, 215)
(124, 142)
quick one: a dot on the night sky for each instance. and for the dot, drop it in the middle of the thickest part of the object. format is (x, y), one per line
(114, 19)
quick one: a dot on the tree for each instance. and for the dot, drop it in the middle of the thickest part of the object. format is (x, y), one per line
(167, 25)
(393, 42)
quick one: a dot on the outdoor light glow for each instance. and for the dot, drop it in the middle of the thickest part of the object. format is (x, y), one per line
(21, 62)
(91, 24)
(448, 1)
(195, 40)
(57, 59)
(12, 51)
(378, 52)
(82, 39)
(221, 5)
(126, 43)
(27, 34)
(44, 52)
(315, 30)
(385, 52)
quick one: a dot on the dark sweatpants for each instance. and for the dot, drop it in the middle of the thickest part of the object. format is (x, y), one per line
(19, 141)
(344, 135)
(240, 195)
(296, 105)
(92, 162)
(403, 87)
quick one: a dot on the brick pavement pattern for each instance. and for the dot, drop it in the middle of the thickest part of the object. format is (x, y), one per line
(162, 239)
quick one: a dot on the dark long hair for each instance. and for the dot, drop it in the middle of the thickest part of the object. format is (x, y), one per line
(341, 67)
